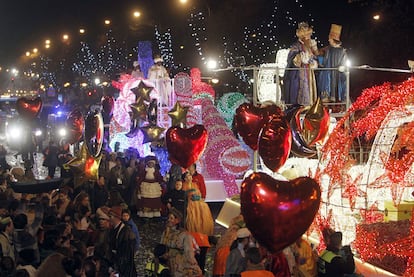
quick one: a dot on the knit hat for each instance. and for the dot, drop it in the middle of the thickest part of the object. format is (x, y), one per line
(116, 211)
(4, 220)
(158, 59)
(151, 158)
(176, 213)
(243, 233)
(102, 213)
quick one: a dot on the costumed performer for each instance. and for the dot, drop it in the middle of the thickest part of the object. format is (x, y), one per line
(199, 218)
(182, 261)
(149, 190)
(299, 86)
(158, 74)
(136, 72)
(332, 83)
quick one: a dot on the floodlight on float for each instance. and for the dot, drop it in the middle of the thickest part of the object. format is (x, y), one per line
(211, 64)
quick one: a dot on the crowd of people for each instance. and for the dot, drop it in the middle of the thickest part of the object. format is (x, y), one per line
(92, 228)
(88, 229)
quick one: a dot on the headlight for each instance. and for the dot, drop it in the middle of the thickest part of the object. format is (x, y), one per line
(62, 132)
(14, 132)
(38, 133)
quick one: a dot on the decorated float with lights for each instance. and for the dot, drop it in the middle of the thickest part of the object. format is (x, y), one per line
(369, 201)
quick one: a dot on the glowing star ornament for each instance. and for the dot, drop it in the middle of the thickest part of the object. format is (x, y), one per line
(85, 165)
(152, 133)
(139, 110)
(178, 115)
(142, 91)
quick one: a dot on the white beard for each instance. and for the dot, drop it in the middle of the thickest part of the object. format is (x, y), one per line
(149, 173)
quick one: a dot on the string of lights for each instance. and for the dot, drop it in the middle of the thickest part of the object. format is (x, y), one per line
(164, 41)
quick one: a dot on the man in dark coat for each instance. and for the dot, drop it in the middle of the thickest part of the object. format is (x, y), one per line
(51, 160)
(122, 241)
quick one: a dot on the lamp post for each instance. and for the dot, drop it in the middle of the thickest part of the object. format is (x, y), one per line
(194, 4)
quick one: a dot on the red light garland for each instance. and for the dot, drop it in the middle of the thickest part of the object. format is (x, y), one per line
(375, 104)
(375, 244)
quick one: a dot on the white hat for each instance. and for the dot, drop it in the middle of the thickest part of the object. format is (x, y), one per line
(102, 213)
(135, 63)
(158, 60)
(243, 233)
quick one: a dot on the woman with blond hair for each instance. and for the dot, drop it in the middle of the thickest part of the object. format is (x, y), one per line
(198, 218)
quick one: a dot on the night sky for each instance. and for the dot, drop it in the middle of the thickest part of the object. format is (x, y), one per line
(25, 24)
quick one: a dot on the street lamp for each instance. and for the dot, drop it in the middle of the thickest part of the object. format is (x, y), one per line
(47, 43)
(136, 14)
(201, 2)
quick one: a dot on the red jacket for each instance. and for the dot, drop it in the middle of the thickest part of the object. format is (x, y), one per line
(199, 180)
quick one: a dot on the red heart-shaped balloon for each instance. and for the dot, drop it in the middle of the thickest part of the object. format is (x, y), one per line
(278, 212)
(75, 125)
(249, 120)
(185, 146)
(28, 108)
(274, 142)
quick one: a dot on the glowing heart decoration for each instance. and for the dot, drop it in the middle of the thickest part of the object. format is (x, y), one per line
(278, 212)
(249, 120)
(94, 129)
(185, 146)
(28, 108)
(274, 143)
(75, 125)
